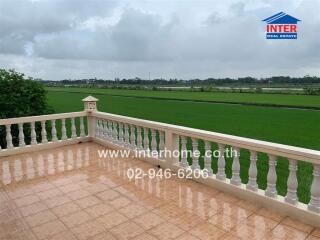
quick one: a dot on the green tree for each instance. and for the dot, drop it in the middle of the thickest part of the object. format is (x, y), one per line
(20, 97)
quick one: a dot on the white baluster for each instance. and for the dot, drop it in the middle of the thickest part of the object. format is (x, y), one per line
(33, 134)
(314, 204)
(235, 179)
(146, 139)
(292, 183)
(221, 163)
(139, 138)
(208, 158)
(105, 129)
(53, 131)
(132, 136)
(153, 140)
(43, 132)
(271, 190)
(97, 128)
(21, 135)
(115, 132)
(184, 161)
(252, 183)
(73, 128)
(8, 136)
(161, 144)
(82, 130)
(109, 130)
(126, 134)
(63, 129)
(195, 152)
(121, 133)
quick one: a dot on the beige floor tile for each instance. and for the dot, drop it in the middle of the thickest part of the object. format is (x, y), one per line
(48, 230)
(166, 231)
(244, 231)
(66, 235)
(33, 209)
(88, 201)
(26, 200)
(108, 195)
(148, 220)
(287, 233)
(88, 230)
(97, 201)
(269, 214)
(112, 219)
(207, 231)
(56, 201)
(40, 218)
(75, 219)
(187, 236)
(316, 232)
(65, 209)
(225, 222)
(297, 224)
(77, 194)
(99, 210)
(104, 236)
(120, 202)
(187, 221)
(126, 230)
(133, 210)
(49, 193)
(145, 236)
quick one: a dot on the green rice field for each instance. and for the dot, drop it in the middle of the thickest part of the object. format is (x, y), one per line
(297, 127)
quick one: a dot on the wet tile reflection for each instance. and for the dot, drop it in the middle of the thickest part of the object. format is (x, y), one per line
(69, 193)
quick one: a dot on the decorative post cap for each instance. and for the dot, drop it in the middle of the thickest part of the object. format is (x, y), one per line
(90, 103)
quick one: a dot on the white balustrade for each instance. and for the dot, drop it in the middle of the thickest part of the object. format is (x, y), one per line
(33, 134)
(235, 179)
(146, 139)
(114, 132)
(73, 128)
(63, 129)
(184, 161)
(122, 130)
(221, 175)
(253, 172)
(208, 158)
(121, 139)
(153, 140)
(8, 136)
(314, 204)
(271, 190)
(292, 197)
(132, 136)
(126, 134)
(139, 138)
(195, 152)
(43, 132)
(53, 130)
(82, 129)
(21, 135)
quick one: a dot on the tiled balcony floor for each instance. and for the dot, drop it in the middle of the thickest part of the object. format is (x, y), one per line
(68, 193)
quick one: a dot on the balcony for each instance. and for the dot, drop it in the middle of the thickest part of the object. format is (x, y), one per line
(56, 185)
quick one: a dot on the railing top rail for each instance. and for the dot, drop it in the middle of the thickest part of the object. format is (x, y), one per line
(41, 118)
(276, 149)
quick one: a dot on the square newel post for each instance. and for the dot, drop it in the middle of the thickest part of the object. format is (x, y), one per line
(90, 105)
(171, 149)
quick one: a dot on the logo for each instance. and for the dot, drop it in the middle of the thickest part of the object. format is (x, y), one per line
(281, 26)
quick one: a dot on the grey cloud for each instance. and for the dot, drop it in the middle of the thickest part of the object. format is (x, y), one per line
(180, 39)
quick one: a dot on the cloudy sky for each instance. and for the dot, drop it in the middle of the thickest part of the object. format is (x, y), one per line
(59, 39)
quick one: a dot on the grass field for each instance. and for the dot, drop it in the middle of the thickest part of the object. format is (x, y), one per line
(302, 101)
(282, 125)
